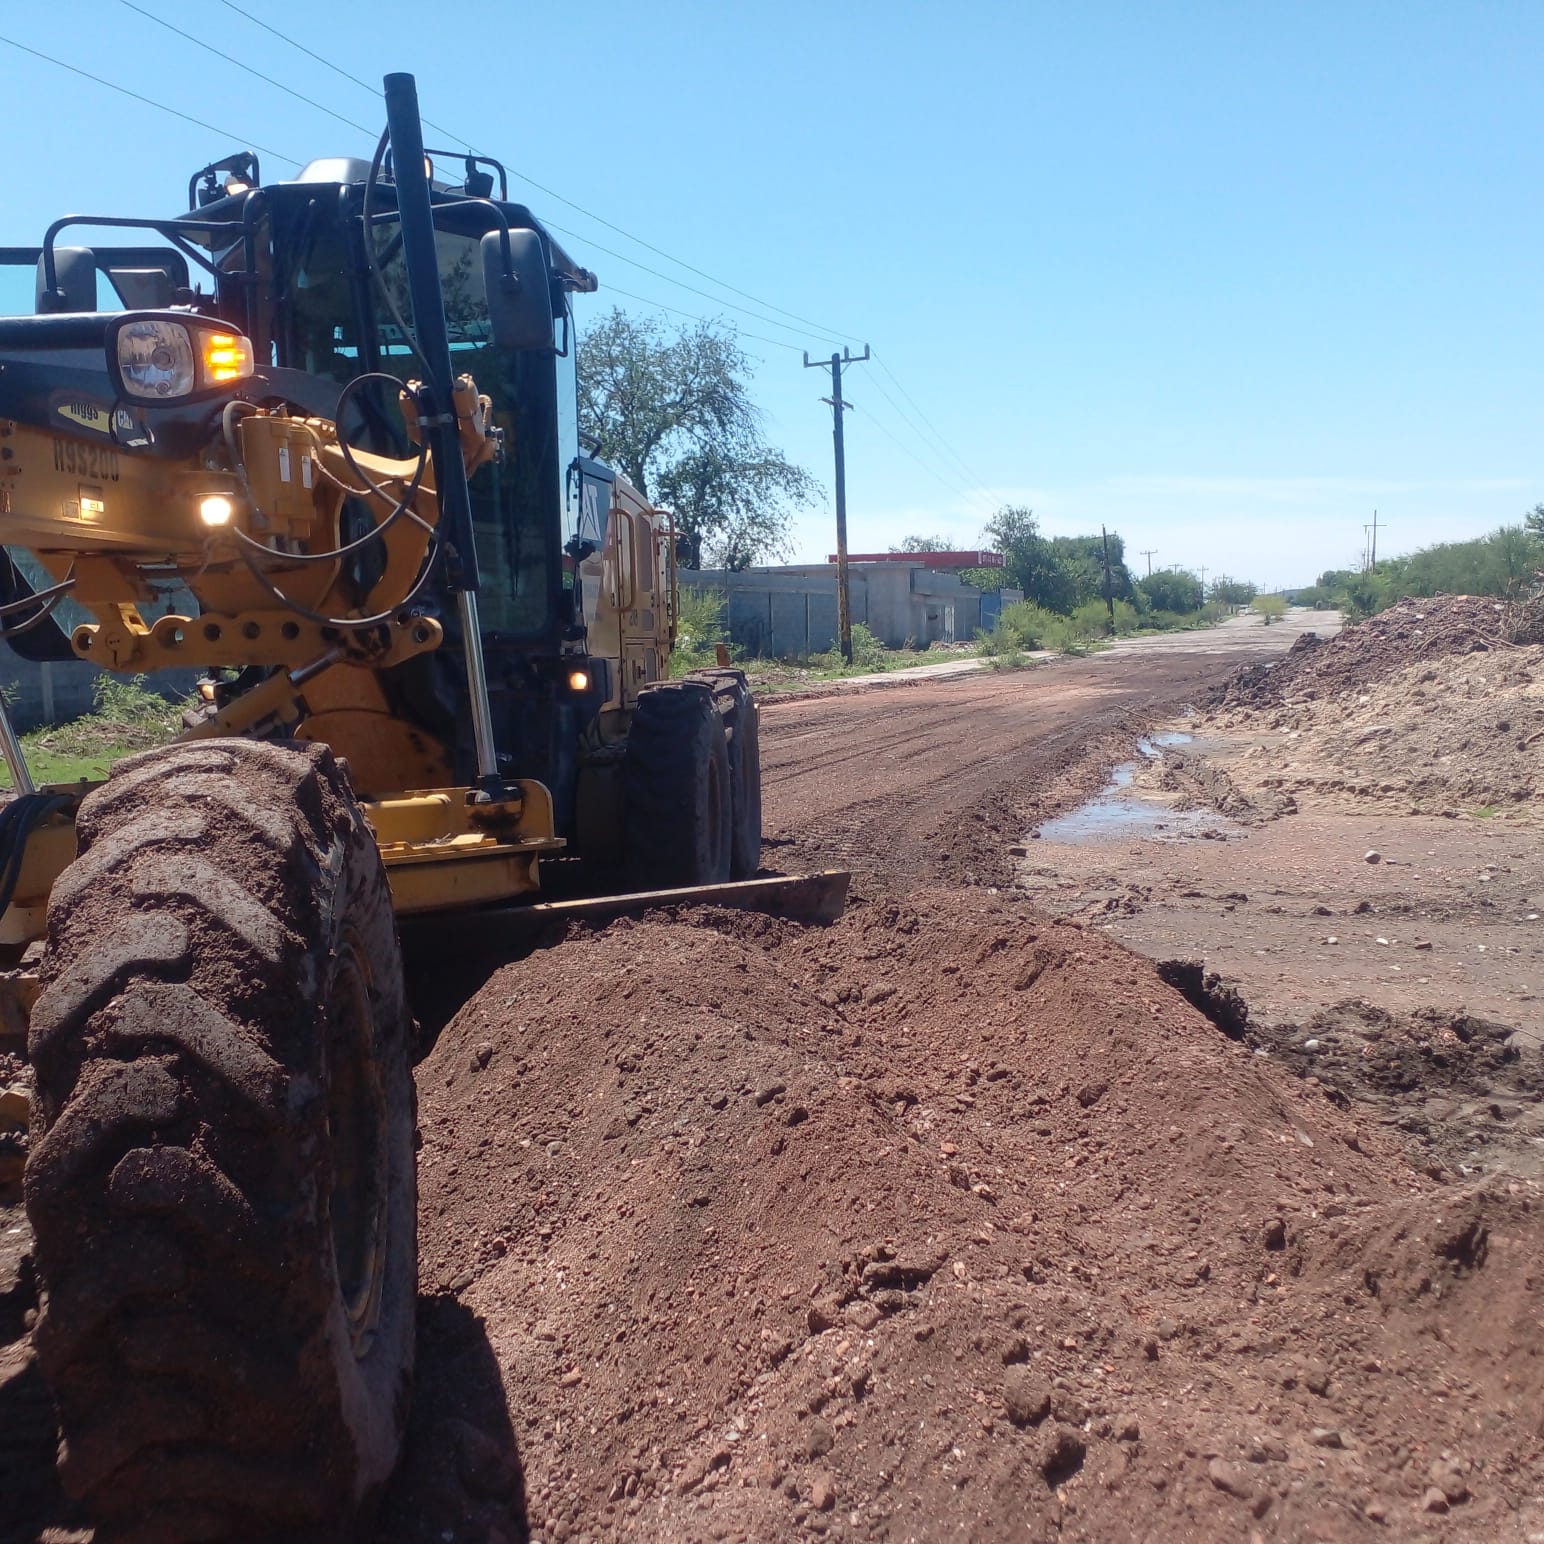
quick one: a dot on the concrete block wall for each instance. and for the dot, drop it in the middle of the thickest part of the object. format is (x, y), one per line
(57, 691)
(790, 612)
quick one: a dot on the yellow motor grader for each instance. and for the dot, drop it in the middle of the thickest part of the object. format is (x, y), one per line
(321, 443)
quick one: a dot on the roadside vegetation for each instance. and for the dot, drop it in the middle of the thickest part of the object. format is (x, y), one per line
(1506, 564)
(127, 716)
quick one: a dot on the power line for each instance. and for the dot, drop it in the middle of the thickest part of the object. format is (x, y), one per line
(660, 305)
(964, 465)
(771, 321)
(900, 412)
(336, 69)
(150, 101)
(820, 330)
(717, 300)
(822, 333)
(241, 64)
(906, 449)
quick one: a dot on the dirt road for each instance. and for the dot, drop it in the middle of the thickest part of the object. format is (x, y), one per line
(936, 780)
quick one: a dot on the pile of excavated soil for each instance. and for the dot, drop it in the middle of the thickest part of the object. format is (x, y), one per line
(1459, 1088)
(1410, 631)
(1449, 734)
(1427, 707)
(948, 1221)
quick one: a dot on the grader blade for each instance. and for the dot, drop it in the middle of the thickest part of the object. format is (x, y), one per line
(504, 932)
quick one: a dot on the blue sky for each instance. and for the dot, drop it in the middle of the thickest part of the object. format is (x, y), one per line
(1226, 277)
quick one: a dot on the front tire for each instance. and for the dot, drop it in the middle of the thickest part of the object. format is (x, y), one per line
(222, 1175)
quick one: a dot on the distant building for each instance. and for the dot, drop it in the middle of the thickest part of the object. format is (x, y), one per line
(790, 612)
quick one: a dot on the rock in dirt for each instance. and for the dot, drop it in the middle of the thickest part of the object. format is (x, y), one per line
(1226, 1477)
(818, 1440)
(1447, 1474)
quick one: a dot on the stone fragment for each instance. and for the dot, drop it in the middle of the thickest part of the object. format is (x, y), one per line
(863, 1316)
(823, 1314)
(1226, 1478)
(818, 1440)
(1447, 1474)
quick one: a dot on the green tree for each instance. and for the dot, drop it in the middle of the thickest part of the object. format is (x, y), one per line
(1029, 562)
(924, 544)
(1232, 592)
(1534, 520)
(1172, 589)
(1083, 558)
(672, 411)
(731, 506)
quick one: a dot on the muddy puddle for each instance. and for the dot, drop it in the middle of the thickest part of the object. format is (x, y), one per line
(1121, 811)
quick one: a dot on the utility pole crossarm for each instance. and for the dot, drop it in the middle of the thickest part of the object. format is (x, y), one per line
(838, 407)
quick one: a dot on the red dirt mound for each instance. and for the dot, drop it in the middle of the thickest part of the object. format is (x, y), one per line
(1409, 631)
(947, 1221)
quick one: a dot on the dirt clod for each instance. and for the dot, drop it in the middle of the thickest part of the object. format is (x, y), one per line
(1026, 1397)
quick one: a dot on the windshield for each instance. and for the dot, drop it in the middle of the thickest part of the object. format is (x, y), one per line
(515, 501)
(334, 330)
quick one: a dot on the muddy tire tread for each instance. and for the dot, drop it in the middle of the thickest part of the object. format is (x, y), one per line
(173, 1185)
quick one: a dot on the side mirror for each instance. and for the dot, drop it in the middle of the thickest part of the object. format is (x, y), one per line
(75, 271)
(519, 294)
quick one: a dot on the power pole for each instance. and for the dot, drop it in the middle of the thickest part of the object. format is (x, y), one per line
(1203, 582)
(838, 407)
(1109, 593)
(1372, 551)
(1149, 553)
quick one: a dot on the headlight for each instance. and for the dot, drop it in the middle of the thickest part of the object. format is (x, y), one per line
(165, 359)
(155, 360)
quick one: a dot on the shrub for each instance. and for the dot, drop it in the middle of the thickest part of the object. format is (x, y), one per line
(868, 653)
(1025, 625)
(1092, 619)
(1271, 608)
(700, 628)
(127, 716)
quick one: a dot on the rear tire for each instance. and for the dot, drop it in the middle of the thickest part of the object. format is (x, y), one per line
(222, 1174)
(676, 793)
(741, 717)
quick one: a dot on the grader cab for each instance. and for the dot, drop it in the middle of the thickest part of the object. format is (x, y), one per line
(318, 439)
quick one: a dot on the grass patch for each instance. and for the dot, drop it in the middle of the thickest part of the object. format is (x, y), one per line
(1485, 812)
(128, 717)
